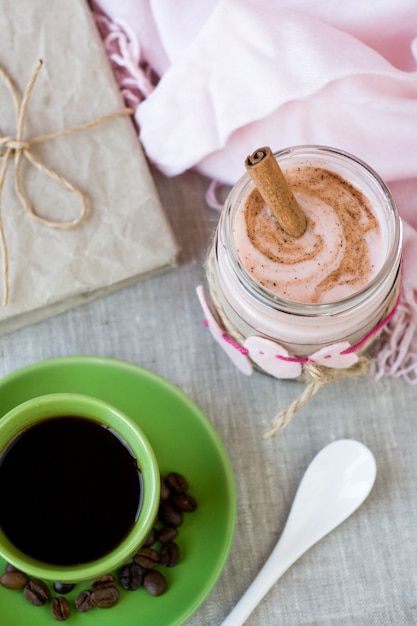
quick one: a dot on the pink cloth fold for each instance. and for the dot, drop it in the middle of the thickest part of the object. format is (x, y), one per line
(232, 75)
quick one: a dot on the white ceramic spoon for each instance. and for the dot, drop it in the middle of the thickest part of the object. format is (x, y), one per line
(336, 482)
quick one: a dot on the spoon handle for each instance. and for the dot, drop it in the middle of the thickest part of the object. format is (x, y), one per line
(275, 566)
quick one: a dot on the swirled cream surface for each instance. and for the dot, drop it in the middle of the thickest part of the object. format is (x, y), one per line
(341, 250)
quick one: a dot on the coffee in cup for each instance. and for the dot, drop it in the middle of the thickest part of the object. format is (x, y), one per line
(79, 487)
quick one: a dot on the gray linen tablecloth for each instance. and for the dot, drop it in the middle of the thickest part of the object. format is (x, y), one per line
(365, 571)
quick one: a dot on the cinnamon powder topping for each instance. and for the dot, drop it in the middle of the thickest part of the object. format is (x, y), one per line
(338, 254)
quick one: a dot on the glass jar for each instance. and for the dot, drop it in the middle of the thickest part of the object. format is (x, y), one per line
(246, 308)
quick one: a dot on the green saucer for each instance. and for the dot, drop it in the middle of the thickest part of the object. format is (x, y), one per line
(184, 441)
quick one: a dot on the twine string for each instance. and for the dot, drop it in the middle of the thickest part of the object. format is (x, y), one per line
(284, 417)
(316, 376)
(19, 147)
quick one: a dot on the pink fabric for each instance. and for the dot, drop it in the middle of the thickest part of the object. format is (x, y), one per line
(232, 75)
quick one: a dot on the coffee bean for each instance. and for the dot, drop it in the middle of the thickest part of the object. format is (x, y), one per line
(14, 580)
(105, 593)
(63, 587)
(177, 482)
(147, 558)
(107, 580)
(169, 514)
(154, 582)
(152, 537)
(105, 597)
(131, 576)
(83, 601)
(170, 554)
(167, 533)
(37, 592)
(11, 568)
(184, 502)
(165, 490)
(61, 609)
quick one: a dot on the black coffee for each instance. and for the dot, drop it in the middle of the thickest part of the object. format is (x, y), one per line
(70, 491)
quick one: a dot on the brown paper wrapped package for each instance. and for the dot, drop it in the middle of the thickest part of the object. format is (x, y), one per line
(125, 236)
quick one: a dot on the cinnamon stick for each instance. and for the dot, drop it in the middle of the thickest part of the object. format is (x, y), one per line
(267, 175)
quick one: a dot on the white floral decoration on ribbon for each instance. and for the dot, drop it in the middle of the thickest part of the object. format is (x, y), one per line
(234, 351)
(275, 359)
(272, 357)
(338, 356)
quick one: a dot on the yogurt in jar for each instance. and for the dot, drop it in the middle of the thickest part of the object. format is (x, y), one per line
(330, 285)
(341, 251)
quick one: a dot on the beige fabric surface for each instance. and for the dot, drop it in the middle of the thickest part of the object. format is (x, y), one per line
(362, 574)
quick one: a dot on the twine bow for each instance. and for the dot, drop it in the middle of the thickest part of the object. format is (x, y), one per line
(19, 147)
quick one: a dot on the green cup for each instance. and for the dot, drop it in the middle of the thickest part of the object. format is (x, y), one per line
(60, 409)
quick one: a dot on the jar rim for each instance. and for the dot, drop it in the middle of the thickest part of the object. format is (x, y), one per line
(321, 309)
